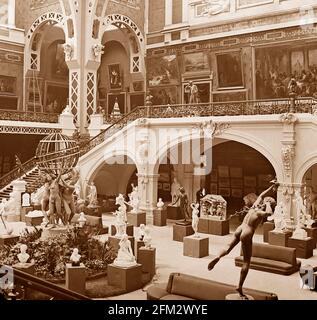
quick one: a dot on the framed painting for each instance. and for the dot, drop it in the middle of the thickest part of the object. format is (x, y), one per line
(223, 172)
(166, 187)
(136, 100)
(196, 62)
(297, 62)
(229, 69)
(160, 186)
(203, 95)
(117, 100)
(163, 70)
(164, 95)
(312, 58)
(227, 96)
(237, 183)
(236, 172)
(224, 182)
(8, 84)
(115, 76)
(56, 95)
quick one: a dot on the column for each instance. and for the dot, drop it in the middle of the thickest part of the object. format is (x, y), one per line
(147, 184)
(168, 12)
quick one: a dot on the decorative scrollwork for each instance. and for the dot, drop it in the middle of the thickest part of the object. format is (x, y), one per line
(288, 154)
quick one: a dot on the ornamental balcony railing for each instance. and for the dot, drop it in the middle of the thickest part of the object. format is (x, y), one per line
(29, 116)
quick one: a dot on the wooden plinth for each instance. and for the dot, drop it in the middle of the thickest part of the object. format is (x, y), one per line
(267, 227)
(218, 227)
(24, 212)
(181, 231)
(137, 245)
(136, 219)
(174, 213)
(159, 218)
(25, 267)
(13, 218)
(196, 247)
(146, 258)
(312, 233)
(75, 278)
(129, 279)
(203, 225)
(129, 230)
(33, 221)
(114, 242)
(279, 238)
(304, 248)
(6, 240)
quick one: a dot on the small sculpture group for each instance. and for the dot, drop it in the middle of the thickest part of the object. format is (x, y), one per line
(134, 199)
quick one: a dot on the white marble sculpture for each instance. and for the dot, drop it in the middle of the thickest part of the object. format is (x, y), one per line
(141, 232)
(309, 221)
(125, 256)
(44, 223)
(147, 237)
(299, 232)
(269, 202)
(160, 204)
(23, 256)
(195, 218)
(175, 187)
(75, 258)
(279, 218)
(26, 200)
(120, 223)
(92, 196)
(12, 206)
(82, 220)
(134, 199)
(7, 229)
(122, 206)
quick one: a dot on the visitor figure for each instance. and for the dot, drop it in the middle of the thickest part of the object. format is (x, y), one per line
(195, 218)
(193, 98)
(244, 234)
(183, 203)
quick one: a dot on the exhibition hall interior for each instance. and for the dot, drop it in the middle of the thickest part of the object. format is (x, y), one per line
(158, 149)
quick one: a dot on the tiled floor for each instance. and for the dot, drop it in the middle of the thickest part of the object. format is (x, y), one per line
(169, 258)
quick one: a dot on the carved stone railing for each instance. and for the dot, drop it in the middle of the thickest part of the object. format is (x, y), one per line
(29, 116)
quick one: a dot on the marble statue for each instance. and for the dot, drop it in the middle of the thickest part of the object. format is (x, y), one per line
(120, 222)
(92, 196)
(269, 202)
(3, 206)
(160, 204)
(82, 220)
(279, 218)
(175, 187)
(123, 208)
(125, 256)
(147, 237)
(26, 200)
(68, 50)
(141, 232)
(134, 199)
(12, 206)
(23, 256)
(195, 218)
(75, 258)
(55, 202)
(8, 229)
(299, 232)
(309, 221)
(244, 234)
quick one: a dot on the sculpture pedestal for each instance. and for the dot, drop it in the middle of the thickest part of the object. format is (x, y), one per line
(267, 227)
(136, 219)
(236, 296)
(312, 233)
(304, 248)
(159, 217)
(8, 240)
(13, 218)
(33, 221)
(137, 245)
(203, 225)
(37, 207)
(75, 278)
(181, 231)
(279, 238)
(129, 230)
(129, 279)
(24, 212)
(196, 247)
(94, 211)
(218, 227)
(146, 258)
(25, 267)
(114, 242)
(174, 213)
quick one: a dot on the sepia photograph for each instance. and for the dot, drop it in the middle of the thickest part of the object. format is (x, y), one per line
(157, 151)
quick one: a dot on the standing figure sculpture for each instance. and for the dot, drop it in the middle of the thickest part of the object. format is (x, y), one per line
(183, 203)
(244, 234)
(279, 217)
(125, 256)
(134, 199)
(195, 218)
(122, 206)
(92, 196)
(55, 202)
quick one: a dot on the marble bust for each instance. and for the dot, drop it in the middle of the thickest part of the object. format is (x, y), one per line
(23, 256)
(160, 204)
(141, 232)
(75, 258)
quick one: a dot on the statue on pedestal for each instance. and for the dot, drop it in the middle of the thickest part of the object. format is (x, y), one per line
(141, 232)
(175, 187)
(244, 234)
(75, 258)
(299, 232)
(195, 218)
(23, 256)
(134, 199)
(160, 204)
(82, 220)
(125, 256)
(120, 222)
(8, 230)
(279, 218)
(92, 196)
(122, 206)
(147, 237)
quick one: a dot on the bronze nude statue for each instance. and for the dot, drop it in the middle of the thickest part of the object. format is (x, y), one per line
(244, 234)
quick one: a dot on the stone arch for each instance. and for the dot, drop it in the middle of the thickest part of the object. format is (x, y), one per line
(304, 166)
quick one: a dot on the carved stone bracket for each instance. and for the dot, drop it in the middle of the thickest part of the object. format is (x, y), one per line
(68, 50)
(211, 128)
(288, 118)
(288, 154)
(287, 191)
(97, 50)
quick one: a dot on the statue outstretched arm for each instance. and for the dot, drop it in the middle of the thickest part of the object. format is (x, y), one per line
(263, 194)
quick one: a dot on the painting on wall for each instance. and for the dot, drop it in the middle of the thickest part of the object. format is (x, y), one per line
(7, 84)
(229, 96)
(60, 68)
(229, 69)
(297, 62)
(56, 97)
(136, 100)
(163, 70)
(118, 100)
(312, 58)
(251, 3)
(115, 76)
(164, 95)
(196, 62)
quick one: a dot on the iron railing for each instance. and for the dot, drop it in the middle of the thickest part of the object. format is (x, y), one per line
(42, 117)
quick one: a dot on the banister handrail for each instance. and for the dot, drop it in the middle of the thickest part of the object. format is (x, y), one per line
(18, 115)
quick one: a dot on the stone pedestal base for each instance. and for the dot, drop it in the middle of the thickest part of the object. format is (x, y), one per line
(114, 242)
(279, 238)
(174, 213)
(76, 278)
(159, 217)
(13, 218)
(181, 231)
(6, 240)
(196, 247)
(33, 221)
(312, 233)
(304, 248)
(203, 225)
(129, 279)
(24, 212)
(218, 227)
(267, 227)
(25, 267)
(146, 258)
(53, 232)
(137, 245)
(136, 219)
(130, 230)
